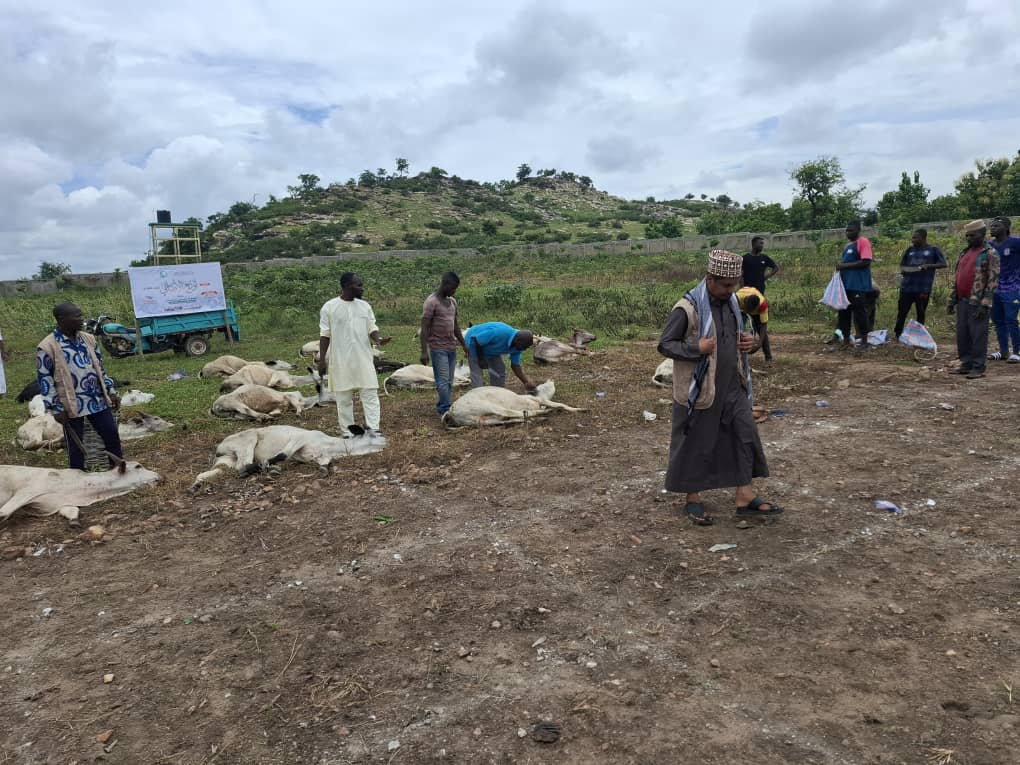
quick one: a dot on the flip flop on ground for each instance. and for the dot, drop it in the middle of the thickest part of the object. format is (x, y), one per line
(696, 512)
(759, 508)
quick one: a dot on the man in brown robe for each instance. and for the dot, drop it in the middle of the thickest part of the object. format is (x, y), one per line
(714, 441)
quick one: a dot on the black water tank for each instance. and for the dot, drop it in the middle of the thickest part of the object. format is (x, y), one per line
(162, 216)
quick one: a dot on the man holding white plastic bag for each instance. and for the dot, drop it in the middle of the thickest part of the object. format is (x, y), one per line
(854, 269)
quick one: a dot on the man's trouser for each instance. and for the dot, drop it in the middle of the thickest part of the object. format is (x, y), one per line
(766, 346)
(971, 337)
(105, 424)
(443, 363)
(497, 371)
(1005, 306)
(907, 301)
(859, 311)
(345, 408)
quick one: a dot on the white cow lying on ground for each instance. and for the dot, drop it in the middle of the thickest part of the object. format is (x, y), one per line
(549, 351)
(420, 377)
(140, 425)
(257, 449)
(224, 366)
(489, 405)
(311, 349)
(260, 374)
(663, 376)
(44, 432)
(257, 402)
(41, 432)
(36, 407)
(45, 491)
(136, 397)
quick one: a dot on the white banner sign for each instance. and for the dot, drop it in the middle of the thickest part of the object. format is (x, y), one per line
(171, 290)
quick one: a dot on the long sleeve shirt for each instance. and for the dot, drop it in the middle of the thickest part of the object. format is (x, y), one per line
(88, 388)
(673, 343)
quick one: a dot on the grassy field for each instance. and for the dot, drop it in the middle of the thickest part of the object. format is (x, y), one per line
(619, 297)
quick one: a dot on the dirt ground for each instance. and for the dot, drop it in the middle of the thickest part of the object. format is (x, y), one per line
(434, 602)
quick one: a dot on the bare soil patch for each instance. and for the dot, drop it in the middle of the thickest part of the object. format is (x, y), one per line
(455, 590)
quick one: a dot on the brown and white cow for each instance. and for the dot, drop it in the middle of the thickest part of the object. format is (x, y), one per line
(257, 402)
(260, 374)
(257, 449)
(45, 491)
(224, 366)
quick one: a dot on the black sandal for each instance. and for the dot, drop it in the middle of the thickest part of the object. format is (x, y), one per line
(753, 509)
(696, 512)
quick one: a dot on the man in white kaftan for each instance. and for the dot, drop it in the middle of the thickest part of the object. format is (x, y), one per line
(347, 330)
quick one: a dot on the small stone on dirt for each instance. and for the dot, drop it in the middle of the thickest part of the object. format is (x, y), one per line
(714, 663)
(743, 525)
(105, 736)
(893, 608)
(334, 635)
(108, 678)
(538, 642)
(521, 733)
(950, 652)
(843, 384)
(463, 652)
(393, 746)
(205, 618)
(546, 732)
(496, 624)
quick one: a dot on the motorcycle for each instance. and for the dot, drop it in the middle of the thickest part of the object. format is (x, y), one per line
(120, 341)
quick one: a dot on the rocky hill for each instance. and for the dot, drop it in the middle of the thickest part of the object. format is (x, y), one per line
(433, 210)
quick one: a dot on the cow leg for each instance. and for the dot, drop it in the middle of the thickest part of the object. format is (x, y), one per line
(564, 407)
(17, 500)
(71, 513)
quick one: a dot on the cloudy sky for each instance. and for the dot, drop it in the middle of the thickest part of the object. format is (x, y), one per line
(114, 109)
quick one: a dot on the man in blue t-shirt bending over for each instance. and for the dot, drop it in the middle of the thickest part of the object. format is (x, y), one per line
(1006, 300)
(487, 344)
(917, 266)
(855, 269)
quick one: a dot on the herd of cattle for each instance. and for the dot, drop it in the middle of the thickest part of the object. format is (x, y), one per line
(259, 392)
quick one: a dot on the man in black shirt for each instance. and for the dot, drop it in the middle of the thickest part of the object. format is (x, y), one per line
(758, 267)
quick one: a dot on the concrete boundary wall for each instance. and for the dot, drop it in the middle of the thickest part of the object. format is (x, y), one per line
(739, 242)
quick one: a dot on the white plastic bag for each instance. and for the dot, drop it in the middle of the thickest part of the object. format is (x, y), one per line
(835, 294)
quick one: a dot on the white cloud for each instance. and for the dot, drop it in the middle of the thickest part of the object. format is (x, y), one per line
(113, 110)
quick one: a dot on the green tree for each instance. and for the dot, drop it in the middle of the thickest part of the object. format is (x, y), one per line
(308, 184)
(758, 216)
(523, 171)
(48, 270)
(900, 209)
(723, 201)
(825, 201)
(402, 166)
(994, 189)
(241, 210)
(664, 228)
(367, 178)
(585, 181)
(945, 207)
